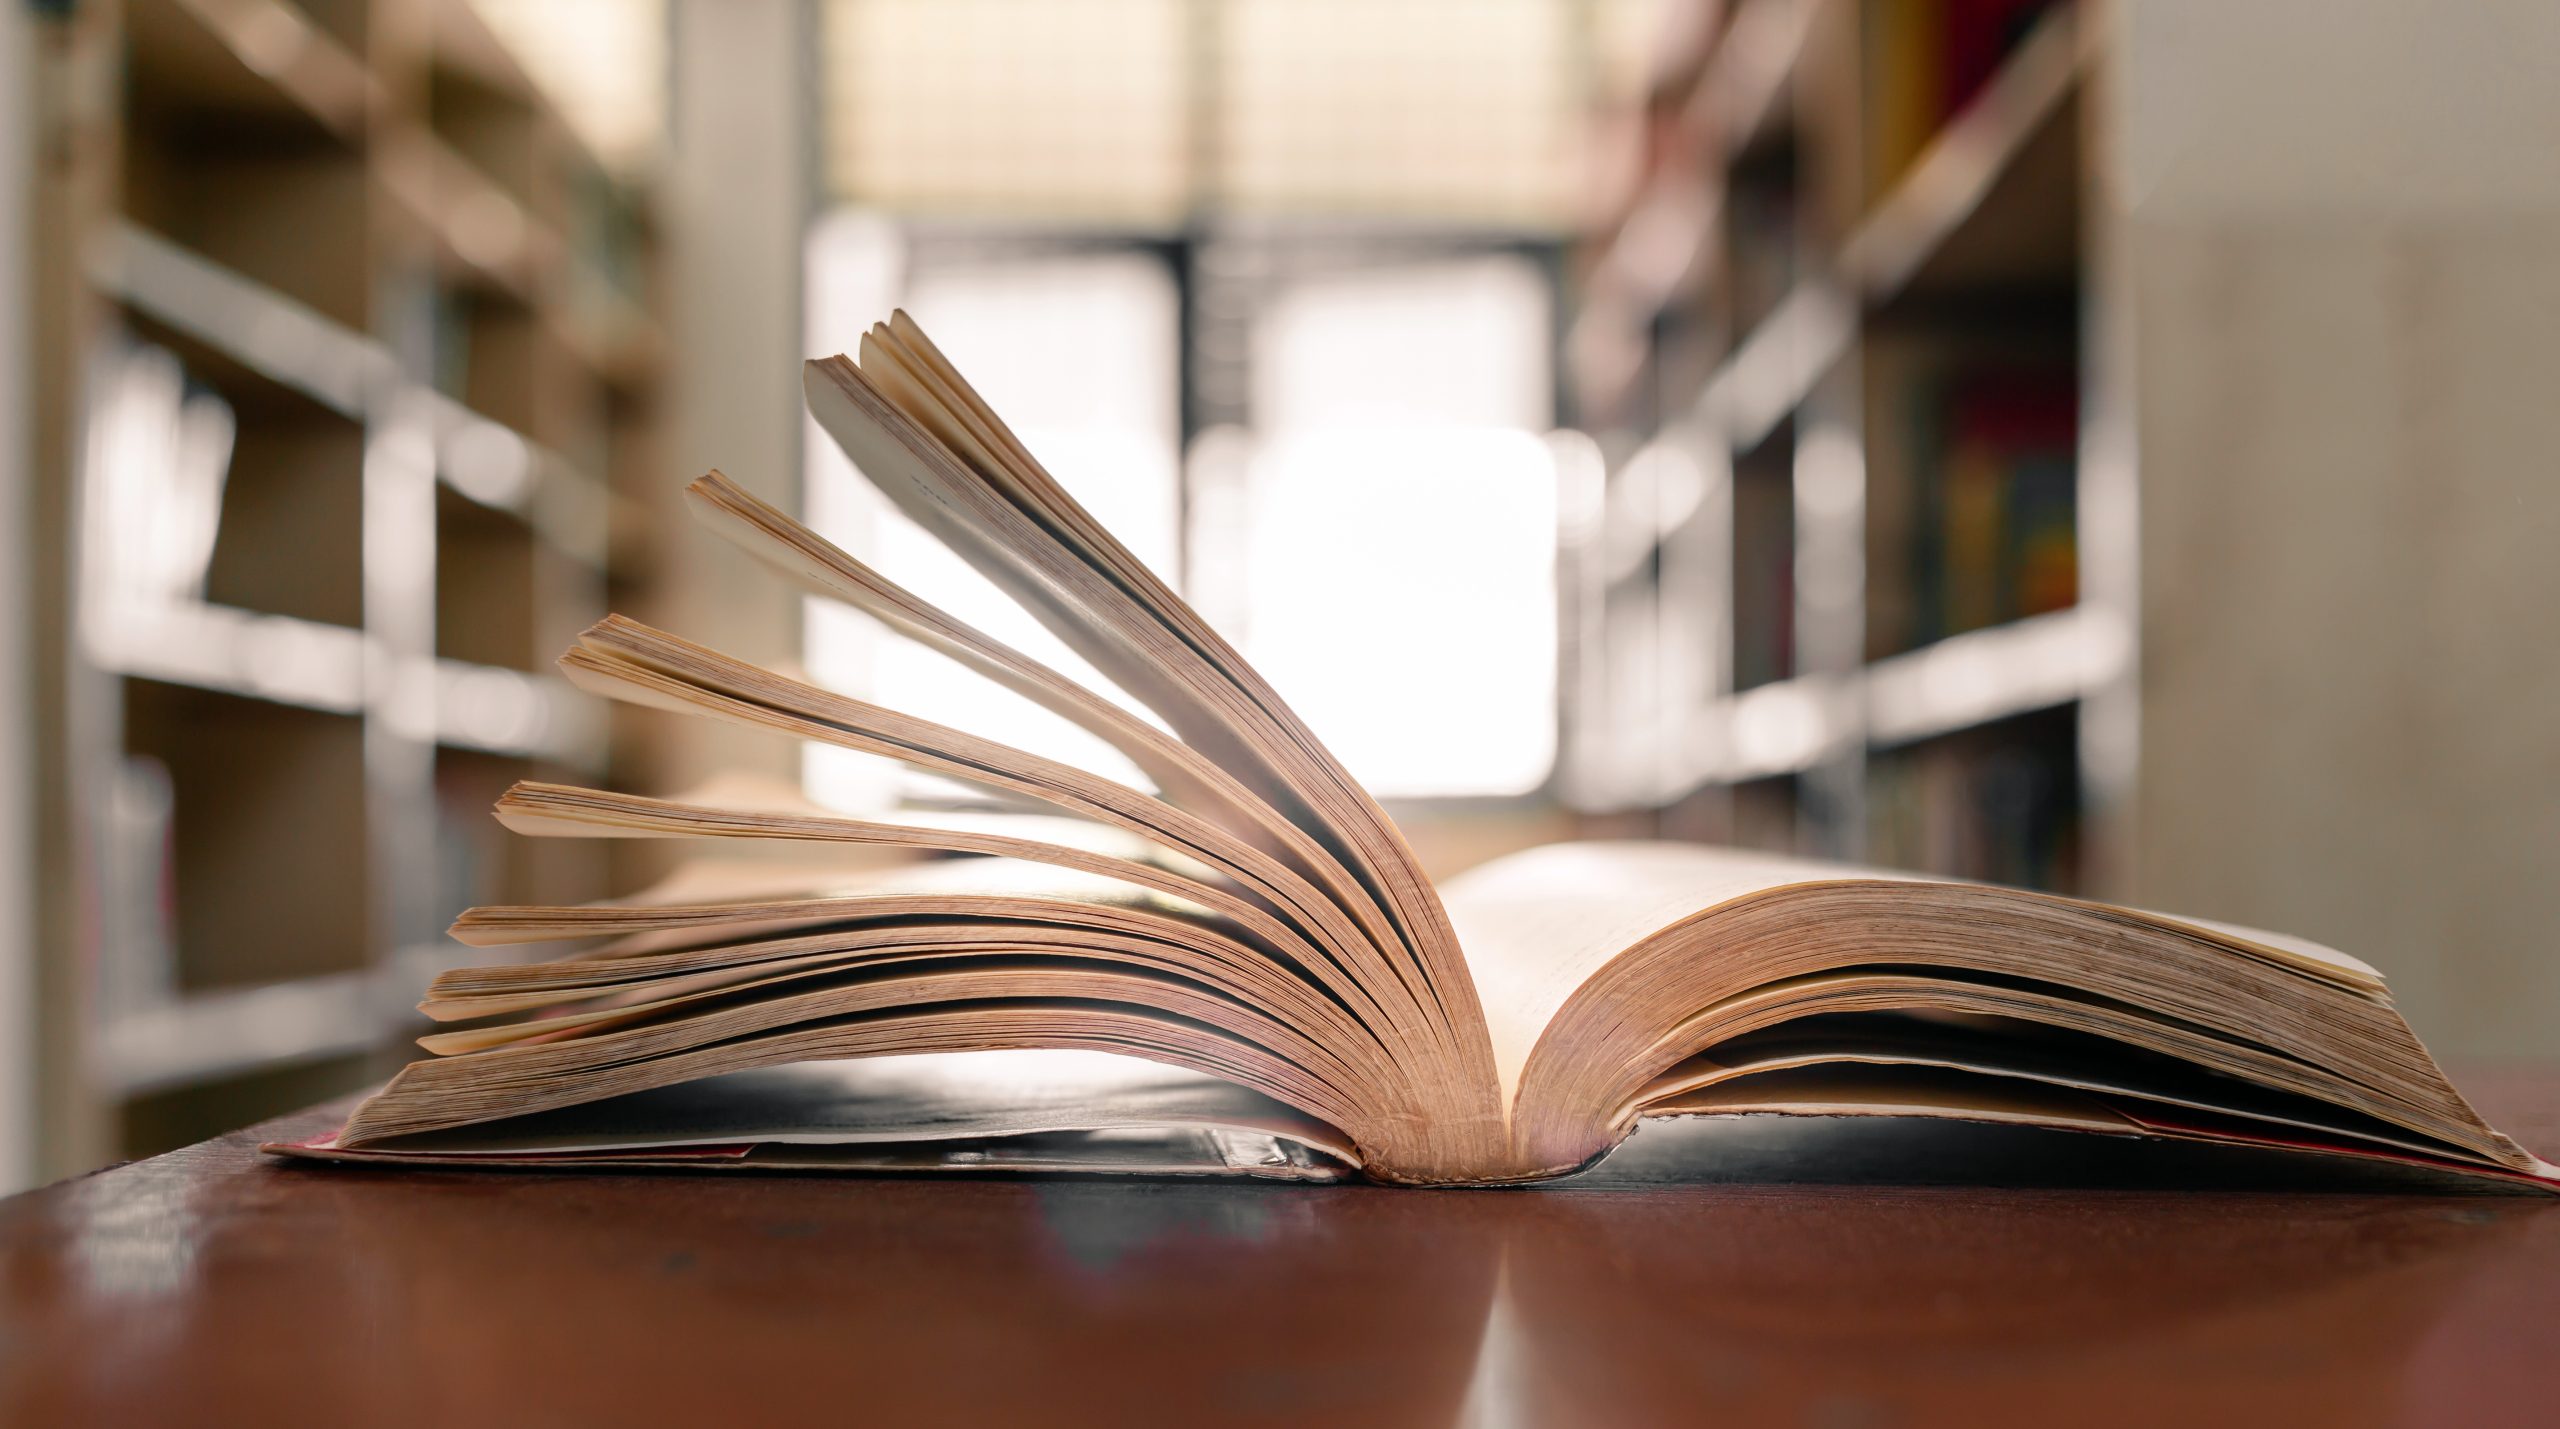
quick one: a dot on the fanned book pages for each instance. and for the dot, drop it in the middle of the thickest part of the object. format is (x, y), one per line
(1287, 995)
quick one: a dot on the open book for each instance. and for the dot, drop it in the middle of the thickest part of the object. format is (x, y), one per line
(1290, 997)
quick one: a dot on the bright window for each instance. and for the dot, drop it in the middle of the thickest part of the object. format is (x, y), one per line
(1399, 531)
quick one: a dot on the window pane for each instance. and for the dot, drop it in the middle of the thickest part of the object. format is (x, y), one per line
(1403, 601)
(1400, 533)
(1064, 108)
(1463, 110)
(1141, 113)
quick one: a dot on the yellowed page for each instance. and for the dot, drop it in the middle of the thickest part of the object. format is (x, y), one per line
(1837, 1090)
(1538, 925)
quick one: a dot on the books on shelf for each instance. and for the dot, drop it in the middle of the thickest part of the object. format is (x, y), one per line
(1928, 59)
(1293, 997)
(1994, 526)
(1998, 803)
(1764, 564)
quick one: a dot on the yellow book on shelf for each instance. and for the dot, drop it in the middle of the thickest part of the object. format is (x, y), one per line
(1976, 511)
(1906, 85)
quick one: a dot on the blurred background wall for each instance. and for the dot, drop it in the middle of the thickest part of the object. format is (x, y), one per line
(19, 1133)
(2343, 291)
(2095, 446)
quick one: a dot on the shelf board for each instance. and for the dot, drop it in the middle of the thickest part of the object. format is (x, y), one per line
(459, 39)
(255, 62)
(613, 335)
(1773, 369)
(277, 658)
(1659, 243)
(493, 710)
(1775, 365)
(480, 232)
(1949, 181)
(1957, 683)
(314, 666)
(350, 374)
(1655, 254)
(272, 335)
(1985, 675)
(487, 239)
(1741, 97)
(231, 1032)
(492, 465)
(208, 1036)
(1736, 101)
(1784, 727)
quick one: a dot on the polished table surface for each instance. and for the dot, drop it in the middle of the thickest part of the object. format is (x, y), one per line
(1761, 1271)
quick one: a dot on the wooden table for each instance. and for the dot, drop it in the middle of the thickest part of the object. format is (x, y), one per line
(1725, 1273)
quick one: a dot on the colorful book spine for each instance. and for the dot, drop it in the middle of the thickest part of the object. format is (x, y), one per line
(1995, 530)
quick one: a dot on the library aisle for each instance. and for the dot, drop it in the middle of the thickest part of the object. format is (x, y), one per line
(2095, 446)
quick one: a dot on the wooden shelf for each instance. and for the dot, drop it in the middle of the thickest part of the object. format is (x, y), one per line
(313, 666)
(1775, 367)
(260, 67)
(1733, 105)
(234, 1031)
(1949, 218)
(302, 663)
(1784, 727)
(311, 205)
(243, 322)
(235, 334)
(486, 709)
(480, 234)
(1961, 682)
(1986, 675)
(1740, 102)
(228, 1033)
(494, 466)
(260, 791)
(497, 131)
(489, 586)
(461, 42)
(1874, 412)
(290, 216)
(1946, 196)
(292, 478)
(488, 241)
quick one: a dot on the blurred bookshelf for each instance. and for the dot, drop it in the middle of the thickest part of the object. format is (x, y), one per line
(353, 335)
(1849, 300)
